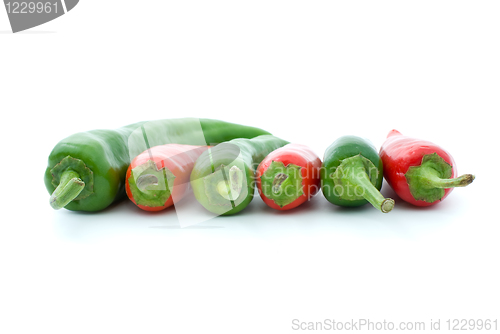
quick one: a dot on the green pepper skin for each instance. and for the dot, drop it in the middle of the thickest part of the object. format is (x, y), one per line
(342, 148)
(106, 153)
(245, 154)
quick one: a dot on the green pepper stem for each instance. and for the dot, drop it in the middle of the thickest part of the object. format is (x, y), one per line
(370, 193)
(224, 191)
(357, 175)
(231, 189)
(70, 186)
(429, 176)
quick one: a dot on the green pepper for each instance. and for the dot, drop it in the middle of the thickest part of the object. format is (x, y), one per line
(223, 177)
(86, 171)
(352, 174)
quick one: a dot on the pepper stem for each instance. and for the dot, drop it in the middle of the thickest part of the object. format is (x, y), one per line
(387, 205)
(144, 181)
(282, 184)
(279, 182)
(432, 180)
(428, 181)
(369, 192)
(231, 188)
(70, 186)
(353, 176)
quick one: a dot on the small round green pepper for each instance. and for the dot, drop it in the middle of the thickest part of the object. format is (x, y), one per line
(352, 174)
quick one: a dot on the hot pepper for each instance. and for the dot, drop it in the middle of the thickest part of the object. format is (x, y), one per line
(352, 174)
(223, 177)
(160, 175)
(86, 171)
(288, 176)
(420, 172)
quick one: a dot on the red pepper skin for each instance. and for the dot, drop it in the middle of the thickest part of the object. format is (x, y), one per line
(296, 155)
(177, 159)
(399, 153)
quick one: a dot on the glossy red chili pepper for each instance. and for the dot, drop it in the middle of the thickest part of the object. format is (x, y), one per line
(420, 172)
(161, 174)
(288, 176)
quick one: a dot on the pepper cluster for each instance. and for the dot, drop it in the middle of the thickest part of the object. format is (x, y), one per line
(224, 163)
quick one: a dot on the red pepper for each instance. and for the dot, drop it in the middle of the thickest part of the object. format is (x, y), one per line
(161, 174)
(289, 176)
(420, 172)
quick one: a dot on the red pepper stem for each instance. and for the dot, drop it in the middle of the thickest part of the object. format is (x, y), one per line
(279, 182)
(144, 181)
(429, 177)
(70, 186)
(282, 184)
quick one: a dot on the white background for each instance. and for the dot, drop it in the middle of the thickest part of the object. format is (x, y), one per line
(308, 71)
